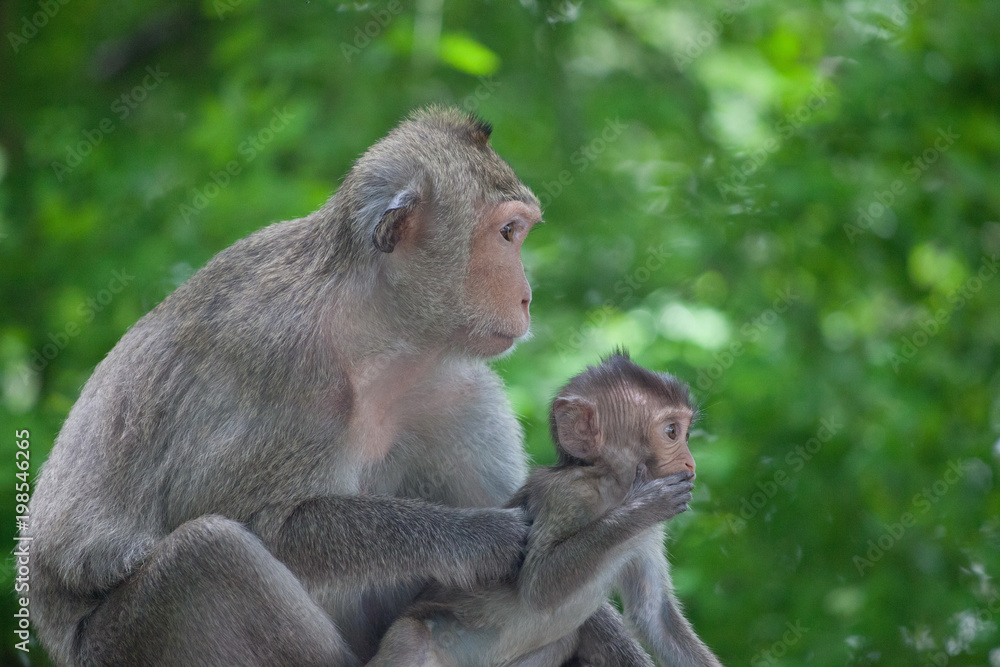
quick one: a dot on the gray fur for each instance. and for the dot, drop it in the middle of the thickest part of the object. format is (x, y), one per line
(596, 527)
(271, 463)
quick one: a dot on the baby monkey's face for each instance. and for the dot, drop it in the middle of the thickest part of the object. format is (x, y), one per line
(668, 433)
(639, 428)
(622, 416)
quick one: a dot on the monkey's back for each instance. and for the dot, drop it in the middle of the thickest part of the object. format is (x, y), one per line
(148, 444)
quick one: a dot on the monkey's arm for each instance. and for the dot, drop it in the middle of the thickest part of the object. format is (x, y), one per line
(364, 540)
(650, 605)
(562, 559)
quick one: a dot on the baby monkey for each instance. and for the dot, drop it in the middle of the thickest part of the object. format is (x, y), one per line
(621, 433)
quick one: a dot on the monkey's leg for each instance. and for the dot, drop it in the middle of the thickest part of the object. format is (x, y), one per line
(435, 642)
(211, 594)
(651, 606)
(406, 644)
(551, 655)
(605, 642)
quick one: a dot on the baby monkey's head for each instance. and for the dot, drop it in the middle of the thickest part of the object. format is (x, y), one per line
(621, 415)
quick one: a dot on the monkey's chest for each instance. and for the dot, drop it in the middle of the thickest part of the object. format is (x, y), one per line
(373, 430)
(389, 416)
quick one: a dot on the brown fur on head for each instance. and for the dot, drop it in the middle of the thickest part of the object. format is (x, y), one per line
(621, 415)
(434, 216)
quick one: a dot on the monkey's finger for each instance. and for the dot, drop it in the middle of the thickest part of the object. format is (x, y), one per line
(686, 487)
(679, 493)
(677, 477)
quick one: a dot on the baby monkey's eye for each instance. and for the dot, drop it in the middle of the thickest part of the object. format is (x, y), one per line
(507, 232)
(671, 431)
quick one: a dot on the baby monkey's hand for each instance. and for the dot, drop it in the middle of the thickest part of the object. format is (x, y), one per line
(660, 499)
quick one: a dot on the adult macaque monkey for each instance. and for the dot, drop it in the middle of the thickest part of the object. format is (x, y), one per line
(271, 463)
(621, 433)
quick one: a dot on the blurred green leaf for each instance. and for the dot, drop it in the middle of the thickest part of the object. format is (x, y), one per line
(467, 55)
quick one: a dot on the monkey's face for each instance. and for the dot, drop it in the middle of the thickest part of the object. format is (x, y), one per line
(668, 434)
(496, 290)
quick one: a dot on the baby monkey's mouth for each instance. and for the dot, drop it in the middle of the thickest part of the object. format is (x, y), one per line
(659, 470)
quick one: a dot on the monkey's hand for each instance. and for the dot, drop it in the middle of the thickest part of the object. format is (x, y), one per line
(658, 500)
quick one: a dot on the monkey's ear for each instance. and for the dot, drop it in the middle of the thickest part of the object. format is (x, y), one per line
(389, 229)
(577, 427)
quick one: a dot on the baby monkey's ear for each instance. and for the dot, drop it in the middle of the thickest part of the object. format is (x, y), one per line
(577, 429)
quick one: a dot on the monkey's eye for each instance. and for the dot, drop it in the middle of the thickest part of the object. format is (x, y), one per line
(671, 431)
(507, 232)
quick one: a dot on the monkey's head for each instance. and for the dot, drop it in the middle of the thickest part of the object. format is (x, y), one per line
(620, 414)
(436, 218)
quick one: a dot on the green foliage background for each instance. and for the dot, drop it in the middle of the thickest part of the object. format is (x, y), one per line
(703, 165)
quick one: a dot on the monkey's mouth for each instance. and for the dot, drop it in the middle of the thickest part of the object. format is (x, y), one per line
(488, 342)
(497, 342)
(509, 338)
(509, 335)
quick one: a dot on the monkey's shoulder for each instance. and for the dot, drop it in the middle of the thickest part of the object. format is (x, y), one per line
(570, 495)
(269, 264)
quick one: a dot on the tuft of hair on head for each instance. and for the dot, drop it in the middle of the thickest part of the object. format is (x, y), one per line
(617, 370)
(481, 130)
(618, 374)
(661, 385)
(454, 120)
